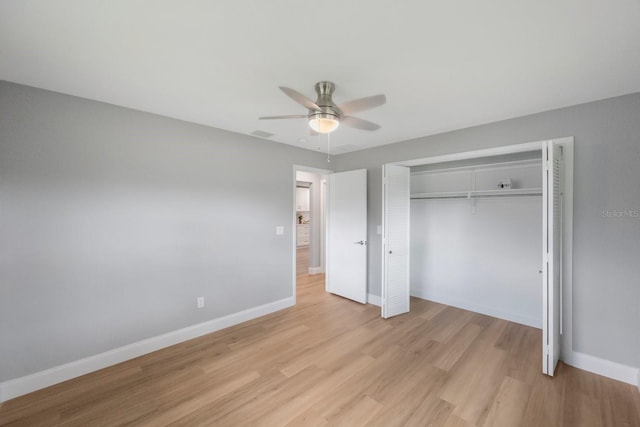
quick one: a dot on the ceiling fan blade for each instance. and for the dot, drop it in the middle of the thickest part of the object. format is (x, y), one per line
(290, 116)
(357, 123)
(362, 104)
(300, 98)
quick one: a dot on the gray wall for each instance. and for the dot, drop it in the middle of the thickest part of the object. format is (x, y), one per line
(607, 176)
(113, 221)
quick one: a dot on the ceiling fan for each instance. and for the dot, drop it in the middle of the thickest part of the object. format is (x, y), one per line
(324, 115)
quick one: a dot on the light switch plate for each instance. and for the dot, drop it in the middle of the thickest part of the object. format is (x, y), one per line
(279, 230)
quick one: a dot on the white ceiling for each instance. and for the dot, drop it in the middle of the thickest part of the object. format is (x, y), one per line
(443, 64)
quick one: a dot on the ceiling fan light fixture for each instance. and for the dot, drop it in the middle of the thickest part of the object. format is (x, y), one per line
(323, 122)
(324, 116)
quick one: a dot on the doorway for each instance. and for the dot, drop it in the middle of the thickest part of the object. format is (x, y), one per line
(309, 227)
(336, 224)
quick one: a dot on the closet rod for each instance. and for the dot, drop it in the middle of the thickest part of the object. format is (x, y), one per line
(472, 197)
(479, 193)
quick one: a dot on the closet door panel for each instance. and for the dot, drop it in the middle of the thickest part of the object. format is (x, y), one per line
(395, 283)
(552, 256)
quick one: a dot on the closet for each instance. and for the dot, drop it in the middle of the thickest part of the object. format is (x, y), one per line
(475, 235)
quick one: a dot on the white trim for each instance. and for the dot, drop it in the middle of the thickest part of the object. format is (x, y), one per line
(603, 367)
(374, 300)
(476, 308)
(383, 240)
(29, 383)
(315, 270)
(317, 171)
(496, 151)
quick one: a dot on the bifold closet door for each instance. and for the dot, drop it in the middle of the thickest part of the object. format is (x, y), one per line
(395, 274)
(551, 255)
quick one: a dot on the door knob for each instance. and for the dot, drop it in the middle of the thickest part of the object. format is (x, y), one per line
(360, 242)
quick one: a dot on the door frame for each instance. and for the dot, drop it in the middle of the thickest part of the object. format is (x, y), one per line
(324, 192)
(567, 143)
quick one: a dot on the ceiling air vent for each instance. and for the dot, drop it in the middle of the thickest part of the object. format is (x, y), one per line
(261, 134)
(347, 148)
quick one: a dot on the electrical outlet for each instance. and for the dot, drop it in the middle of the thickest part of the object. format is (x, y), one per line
(200, 302)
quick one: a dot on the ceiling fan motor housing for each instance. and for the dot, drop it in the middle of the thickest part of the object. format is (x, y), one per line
(326, 120)
(324, 101)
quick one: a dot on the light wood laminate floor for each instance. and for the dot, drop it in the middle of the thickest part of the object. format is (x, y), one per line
(302, 260)
(330, 361)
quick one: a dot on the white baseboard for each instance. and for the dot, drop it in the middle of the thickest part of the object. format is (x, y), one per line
(374, 300)
(29, 383)
(489, 311)
(315, 270)
(603, 367)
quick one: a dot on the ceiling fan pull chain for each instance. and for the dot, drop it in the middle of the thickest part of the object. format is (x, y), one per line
(328, 157)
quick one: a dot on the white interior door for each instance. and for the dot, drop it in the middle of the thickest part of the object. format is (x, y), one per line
(395, 274)
(551, 255)
(347, 235)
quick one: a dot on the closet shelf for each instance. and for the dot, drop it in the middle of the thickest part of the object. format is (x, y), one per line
(473, 194)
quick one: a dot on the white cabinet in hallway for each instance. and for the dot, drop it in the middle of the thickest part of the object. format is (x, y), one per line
(302, 199)
(302, 234)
